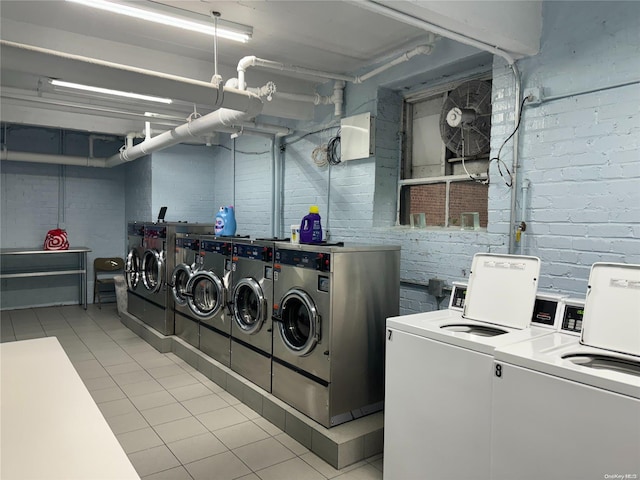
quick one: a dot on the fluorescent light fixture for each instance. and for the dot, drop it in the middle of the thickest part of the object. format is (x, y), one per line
(107, 91)
(239, 33)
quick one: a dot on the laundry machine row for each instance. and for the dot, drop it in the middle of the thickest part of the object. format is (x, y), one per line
(148, 269)
(439, 369)
(222, 288)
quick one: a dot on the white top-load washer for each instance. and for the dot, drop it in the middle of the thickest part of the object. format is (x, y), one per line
(567, 406)
(439, 369)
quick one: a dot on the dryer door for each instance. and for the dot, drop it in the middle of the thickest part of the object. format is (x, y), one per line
(179, 280)
(299, 322)
(132, 269)
(249, 305)
(205, 294)
(152, 270)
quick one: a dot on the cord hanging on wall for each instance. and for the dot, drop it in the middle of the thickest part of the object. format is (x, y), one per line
(333, 149)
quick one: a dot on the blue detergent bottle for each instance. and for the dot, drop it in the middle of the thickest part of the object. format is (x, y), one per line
(225, 222)
(310, 227)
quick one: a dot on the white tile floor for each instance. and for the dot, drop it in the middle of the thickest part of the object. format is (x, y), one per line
(172, 421)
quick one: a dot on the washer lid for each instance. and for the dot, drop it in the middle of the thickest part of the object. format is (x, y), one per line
(612, 308)
(502, 289)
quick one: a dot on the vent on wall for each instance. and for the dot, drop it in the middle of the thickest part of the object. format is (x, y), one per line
(357, 139)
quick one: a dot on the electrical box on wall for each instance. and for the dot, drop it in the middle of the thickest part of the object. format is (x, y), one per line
(357, 137)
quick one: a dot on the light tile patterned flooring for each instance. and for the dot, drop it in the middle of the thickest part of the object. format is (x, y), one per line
(172, 421)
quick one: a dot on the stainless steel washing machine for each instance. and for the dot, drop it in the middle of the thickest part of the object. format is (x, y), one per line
(187, 261)
(154, 277)
(133, 269)
(251, 303)
(331, 303)
(207, 297)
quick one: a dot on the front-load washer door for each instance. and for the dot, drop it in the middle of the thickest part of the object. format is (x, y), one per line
(205, 294)
(132, 269)
(152, 270)
(179, 280)
(298, 322)
(249, 306)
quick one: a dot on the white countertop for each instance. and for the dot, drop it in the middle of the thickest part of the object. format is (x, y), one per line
(50, 426)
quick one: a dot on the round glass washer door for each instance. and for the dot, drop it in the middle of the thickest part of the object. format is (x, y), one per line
(132, 269)
(152, 270)
(250, 305)
(205, 294)
(179, 280)
(299, 324)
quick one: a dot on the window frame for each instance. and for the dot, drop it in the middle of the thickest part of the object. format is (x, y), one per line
(406, 160)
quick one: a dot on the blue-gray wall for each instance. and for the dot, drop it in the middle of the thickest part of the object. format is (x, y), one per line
(581, 155)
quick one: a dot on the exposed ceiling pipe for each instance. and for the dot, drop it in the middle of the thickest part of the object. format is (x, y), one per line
(99, 73)
(52, 159)
(198, 127)
(419, 50)
(253, 61)
(388, 11)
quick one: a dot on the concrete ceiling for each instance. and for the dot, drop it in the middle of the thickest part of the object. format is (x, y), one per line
(333, 36)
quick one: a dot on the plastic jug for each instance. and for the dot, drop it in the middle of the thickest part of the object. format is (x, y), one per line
(310, 227)
(225, 222)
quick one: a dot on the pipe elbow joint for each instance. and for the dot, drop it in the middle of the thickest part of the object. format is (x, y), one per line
(246, 62)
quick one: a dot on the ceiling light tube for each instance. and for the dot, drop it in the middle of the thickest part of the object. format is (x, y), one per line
(240, 35)
(107, 91)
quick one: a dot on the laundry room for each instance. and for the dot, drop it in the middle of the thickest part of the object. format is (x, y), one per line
(475, 162)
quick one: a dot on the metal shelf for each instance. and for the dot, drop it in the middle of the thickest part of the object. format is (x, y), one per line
(30, 271)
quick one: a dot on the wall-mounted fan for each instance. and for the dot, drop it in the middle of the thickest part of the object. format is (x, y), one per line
(465, 120)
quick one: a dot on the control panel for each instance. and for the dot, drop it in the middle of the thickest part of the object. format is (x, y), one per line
(152, 231)
(572, 319)
(458, 295)
(545, 312)
(253, 252)
(312, 260)
(135, 229)
(188, 243)
(212, 246)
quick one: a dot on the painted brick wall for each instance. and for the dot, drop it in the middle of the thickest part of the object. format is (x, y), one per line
(252, 186)
(183, 179)
(581, 153)
(138, 190)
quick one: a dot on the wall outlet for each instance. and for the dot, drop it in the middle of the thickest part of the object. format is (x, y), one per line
(533, 96)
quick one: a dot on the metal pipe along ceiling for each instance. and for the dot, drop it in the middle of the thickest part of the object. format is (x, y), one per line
(198, 127)
(99, 73)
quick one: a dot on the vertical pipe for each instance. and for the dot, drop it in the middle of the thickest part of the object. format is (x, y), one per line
(326, 224)
(514, 167)
(523, 215)
(233, 173)
(274, 186)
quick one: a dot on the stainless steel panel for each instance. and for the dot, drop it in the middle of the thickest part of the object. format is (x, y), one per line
(252, 365)
(360, 290)
(135, 305)
(156, 317)
(188, 329)
(255, 269)
(216, 345)
(316, 362)
(302, 393)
